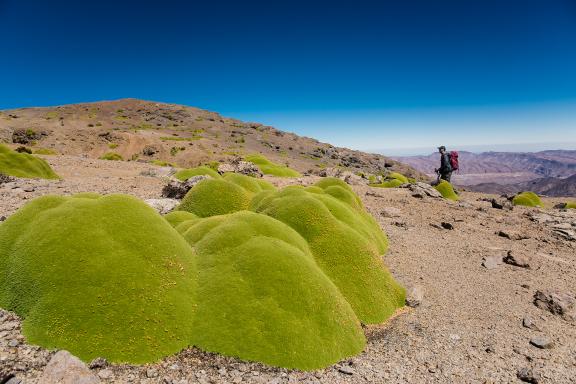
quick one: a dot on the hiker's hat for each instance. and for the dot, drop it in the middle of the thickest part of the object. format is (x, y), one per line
(442, 147)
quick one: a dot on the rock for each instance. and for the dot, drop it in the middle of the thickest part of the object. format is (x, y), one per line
(542, 342)
(98, 362)
(415, 296)
(347, 370)
(12, 380)
(528, 376)
(516, 260)
(491, 262)
(527, 322)
(105, 374)
(6, 179)
(177, 189)
(353, 179)
(512, 235)
(150, 150)
(151, 373)
(238, 166)
(390, 212)
(163, 206)
(502, 204)
(28, 188)
(26, 136)
(421, 189)
(63, 368)
(13, 343)
(558, 303)
(565, 234)
(330, 172)
(447, 225)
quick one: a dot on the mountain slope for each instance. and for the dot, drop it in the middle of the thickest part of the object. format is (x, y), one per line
(185, 136)
(548, 186)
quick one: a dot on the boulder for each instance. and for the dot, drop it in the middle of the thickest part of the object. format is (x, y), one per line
(330, 172)
(150, 150)
(516, 260)
(353, 179)
(421, 189)
(64, 368)
(243, 167)
(177, 189)
(26, 136)
(558, 303)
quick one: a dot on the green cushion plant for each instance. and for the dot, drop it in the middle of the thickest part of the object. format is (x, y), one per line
(24, 165)
(269, 168)
(111, 156)
(263, 297)
(446, 190)
(98, 276)
(345, 241)
(392, 180)
(570, 205)
(527, 199)
(185, 174)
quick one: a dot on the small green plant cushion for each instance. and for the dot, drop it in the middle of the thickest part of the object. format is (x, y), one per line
(446, 190)
(24, 165)
(570, 205)
(393, 180)
(527, 199)
(269, 168)
(111, 156)
(228, 194)
(262, 296)
(98, 276)
(345, 241)
(185, 174)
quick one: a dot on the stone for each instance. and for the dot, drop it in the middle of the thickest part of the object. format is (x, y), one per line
(502, 204)
(415, 296)
(151, 373)
(390, 212)
(565, 234)
(491, 262)
(516, 260)
(177, 189)
(347, 370)
(558, 303)
(105, 374)
(447, 225)
(28, 188)
(238, 166)
(162, 206)
(527, 322)
(150, 150)
(12, 380)
(330, 172)
(542, 342)
(353, 179)
(13, 343)
(98, 362)
(528, 376)
(63, 368)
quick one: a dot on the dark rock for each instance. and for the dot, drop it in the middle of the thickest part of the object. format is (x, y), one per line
(12, 380)
(22, 149)
(26, 136)
(447, 225)
(98, 362)
(5, 179)
(528, 376)
(177, 189)
(516, 260)
(150, 150)
(512, 235)
(558, 303)
(542, 342)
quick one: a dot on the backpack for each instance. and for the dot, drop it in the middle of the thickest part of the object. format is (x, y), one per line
(454, 160)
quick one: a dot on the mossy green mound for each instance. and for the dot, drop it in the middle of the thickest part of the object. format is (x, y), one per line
(98, 276)
(527, 199)
(24, 165)
(262, 296)
(446, 190)
(345, 241)
(393, 180)
(269, 168)
(111, 156)
(185, 174)
(570, 205)
(232, 193)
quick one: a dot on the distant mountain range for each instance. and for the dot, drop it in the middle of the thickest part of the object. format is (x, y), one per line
(551, 173)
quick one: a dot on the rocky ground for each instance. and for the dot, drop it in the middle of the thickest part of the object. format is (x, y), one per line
(472, 319)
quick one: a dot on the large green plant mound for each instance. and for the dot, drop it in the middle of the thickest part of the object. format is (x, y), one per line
(98, 276)
(446, 190)
(269, 168)
(527, 199)
(24, 165)
(570, 205)
(263, 297)
(345, 241)
(185, 174)
(232, 193)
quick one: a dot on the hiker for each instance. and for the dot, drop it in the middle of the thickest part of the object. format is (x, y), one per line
(445, 170)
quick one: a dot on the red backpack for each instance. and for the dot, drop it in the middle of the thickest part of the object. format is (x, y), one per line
(454, 160)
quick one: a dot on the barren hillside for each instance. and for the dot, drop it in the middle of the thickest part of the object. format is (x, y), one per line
(183, 136)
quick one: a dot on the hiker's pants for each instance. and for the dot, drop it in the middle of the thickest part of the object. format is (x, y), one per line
(446, 176)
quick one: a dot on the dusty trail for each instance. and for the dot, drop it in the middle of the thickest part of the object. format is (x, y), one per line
(467, 329)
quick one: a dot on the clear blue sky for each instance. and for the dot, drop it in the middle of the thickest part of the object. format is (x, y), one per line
(364, 74)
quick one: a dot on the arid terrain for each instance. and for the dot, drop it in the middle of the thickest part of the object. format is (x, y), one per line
(472, 317)
(509, 170)
(144, 131)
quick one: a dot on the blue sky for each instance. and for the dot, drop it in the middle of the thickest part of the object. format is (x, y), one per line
(401, 76)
